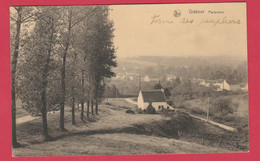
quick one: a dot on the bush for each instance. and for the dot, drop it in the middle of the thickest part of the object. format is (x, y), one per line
(140, 111)
(222, 106)
(197, 111)
(179, 123)
(184, 121)
(130, 111)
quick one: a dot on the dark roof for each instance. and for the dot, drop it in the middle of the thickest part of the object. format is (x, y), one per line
(153, 96)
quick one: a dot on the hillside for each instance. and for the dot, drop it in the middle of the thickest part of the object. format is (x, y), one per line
(112, 132)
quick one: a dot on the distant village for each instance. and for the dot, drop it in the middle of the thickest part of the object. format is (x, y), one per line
(218, 85)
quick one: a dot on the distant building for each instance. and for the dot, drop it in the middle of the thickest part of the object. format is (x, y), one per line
(198, 81)
(219, 84)
(235, 87)
(170, 78)
(244, 86)
(239, 87)
(156, 97)
(146, 78)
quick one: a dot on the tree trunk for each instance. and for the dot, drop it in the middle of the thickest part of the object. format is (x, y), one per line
(96, 106)
(46, 137)
(82, 111)
(13, 72)
(73, 111)
(92, 107)
(44, 104)
(88, 110)
(63, 75)
(82, 99)
(44, 117)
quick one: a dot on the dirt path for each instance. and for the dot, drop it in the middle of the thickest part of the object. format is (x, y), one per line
(27, 118)
(215, 123)
(211, 122)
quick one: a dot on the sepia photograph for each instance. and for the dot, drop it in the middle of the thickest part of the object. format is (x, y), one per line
(129, 79)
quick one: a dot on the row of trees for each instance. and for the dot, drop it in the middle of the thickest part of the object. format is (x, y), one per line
(60, 55)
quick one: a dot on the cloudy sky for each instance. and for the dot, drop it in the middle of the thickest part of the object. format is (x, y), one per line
(210, 29)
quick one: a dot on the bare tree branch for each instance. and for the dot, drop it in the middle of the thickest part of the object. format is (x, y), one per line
(28, 17)
(61, 45)
(83, 18)
(13, 18)
(16, 8)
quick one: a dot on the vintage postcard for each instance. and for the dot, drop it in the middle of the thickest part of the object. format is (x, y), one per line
(129, 79)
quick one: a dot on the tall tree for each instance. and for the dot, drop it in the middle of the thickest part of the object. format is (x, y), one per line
(20, 17)
(101, 55)
(63, 69)
(36, 64)
(72, 16)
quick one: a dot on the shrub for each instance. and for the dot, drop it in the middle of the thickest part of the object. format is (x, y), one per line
(223, 106)
(130, 111)
(197, 111)
(179, 123)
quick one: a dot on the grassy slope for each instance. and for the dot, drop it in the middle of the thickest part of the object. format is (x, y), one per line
(111, 132)
(238, 120)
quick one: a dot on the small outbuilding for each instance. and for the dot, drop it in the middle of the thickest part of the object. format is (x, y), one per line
(155, 97)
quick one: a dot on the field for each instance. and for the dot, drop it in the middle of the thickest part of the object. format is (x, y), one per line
(114, 132)
(231, 110)
(234, 108)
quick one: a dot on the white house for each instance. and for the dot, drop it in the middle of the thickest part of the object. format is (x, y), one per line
(170, 77)
(156, 97)
(221, 84)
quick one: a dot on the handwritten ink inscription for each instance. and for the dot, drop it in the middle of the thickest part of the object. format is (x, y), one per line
(219, 21)
(157, 19)
(186, 21)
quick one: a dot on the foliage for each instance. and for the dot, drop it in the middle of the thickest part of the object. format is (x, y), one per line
(66, 53)
(111, 91)
(157, 86)
(223, 106)
(130, 111)
(31, 70)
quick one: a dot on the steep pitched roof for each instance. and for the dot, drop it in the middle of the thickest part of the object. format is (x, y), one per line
(153, 96)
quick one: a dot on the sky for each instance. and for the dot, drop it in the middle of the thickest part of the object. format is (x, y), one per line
(199, 30)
